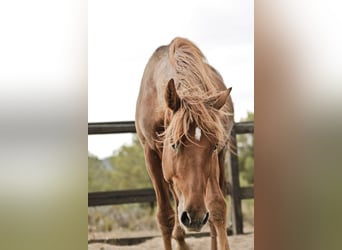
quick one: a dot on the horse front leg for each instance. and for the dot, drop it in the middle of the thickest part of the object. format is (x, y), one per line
(213, 236)
(217, 210)
(179, 235)
(165, 213)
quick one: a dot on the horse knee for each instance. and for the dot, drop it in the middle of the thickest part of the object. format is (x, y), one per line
(166, 220)
(217, 211)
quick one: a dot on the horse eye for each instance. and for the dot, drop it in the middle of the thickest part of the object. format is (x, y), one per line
(175, 146)
(215, 147)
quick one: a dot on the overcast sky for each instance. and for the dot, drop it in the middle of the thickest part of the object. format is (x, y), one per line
(122, 35)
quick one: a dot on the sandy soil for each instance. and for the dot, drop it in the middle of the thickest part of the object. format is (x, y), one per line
(236, 242)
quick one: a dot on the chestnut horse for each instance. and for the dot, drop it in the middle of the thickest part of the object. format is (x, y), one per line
(184, 116)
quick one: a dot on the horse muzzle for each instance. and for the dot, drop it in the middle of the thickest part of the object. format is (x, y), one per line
(194, 221)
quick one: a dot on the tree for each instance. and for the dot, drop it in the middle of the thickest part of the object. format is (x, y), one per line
(126, 170)
(99, 178)
(129, 171)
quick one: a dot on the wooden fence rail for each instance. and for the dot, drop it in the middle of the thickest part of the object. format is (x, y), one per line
(236, 192)
(129, 127)
(140, 196)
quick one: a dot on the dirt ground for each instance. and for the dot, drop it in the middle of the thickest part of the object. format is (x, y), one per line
(236, 242)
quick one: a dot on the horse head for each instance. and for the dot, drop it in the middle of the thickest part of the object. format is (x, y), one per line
(191, 145)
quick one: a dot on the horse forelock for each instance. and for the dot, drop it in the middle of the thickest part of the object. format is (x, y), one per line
(195, 112)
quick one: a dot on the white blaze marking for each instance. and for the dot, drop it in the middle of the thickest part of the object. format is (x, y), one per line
(198, 134)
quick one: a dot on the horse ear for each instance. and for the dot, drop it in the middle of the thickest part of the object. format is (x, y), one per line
(221, 98)
(171, 97)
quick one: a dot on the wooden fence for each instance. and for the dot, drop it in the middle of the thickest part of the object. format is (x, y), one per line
(236, 192)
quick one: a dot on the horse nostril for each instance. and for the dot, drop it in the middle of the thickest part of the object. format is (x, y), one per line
(185, 219)
(205, 219)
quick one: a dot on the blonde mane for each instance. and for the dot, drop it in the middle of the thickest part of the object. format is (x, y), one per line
(195, 84)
